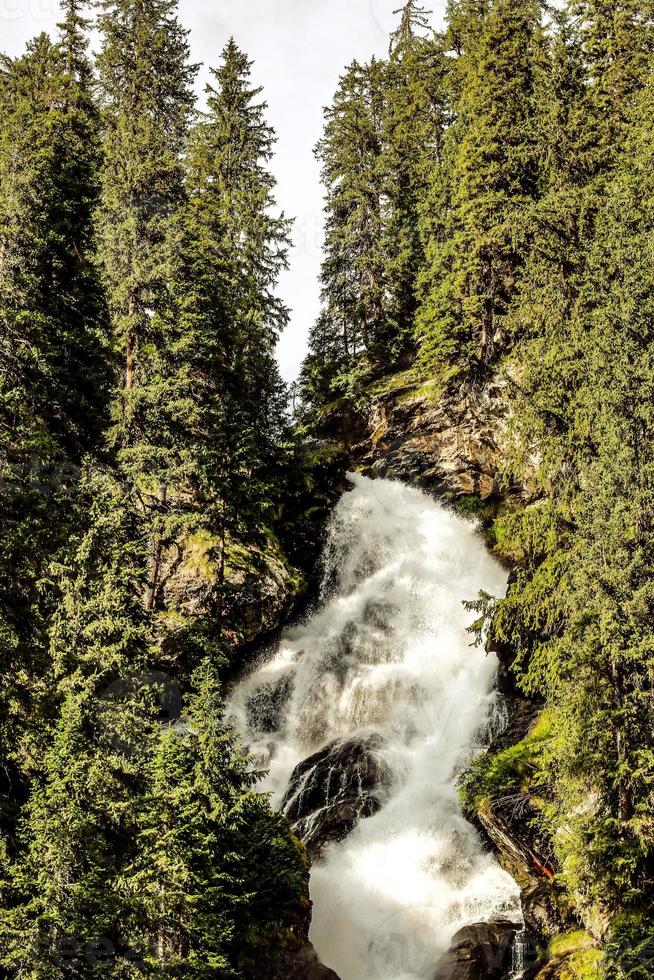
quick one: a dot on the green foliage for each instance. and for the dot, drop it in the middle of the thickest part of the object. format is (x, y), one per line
(146, 100)
(353, 273)
(519, 768)
(133, 844)
(487, 188)
(578, 610)
(55, 371)
(532, 187)
(383, 136)
(489, 207)
(630, 948)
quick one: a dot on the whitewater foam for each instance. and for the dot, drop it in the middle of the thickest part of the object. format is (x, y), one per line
(388, 652)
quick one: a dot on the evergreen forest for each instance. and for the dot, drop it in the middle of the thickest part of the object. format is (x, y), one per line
(489, 217)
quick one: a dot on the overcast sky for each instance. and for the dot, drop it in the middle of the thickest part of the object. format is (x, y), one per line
(300, 48)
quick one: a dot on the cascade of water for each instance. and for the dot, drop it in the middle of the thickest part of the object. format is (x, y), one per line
(384, 672)
(519, 964)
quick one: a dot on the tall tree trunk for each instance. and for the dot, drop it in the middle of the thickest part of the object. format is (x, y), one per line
(625, 802)
(130, 345)
(157, 552)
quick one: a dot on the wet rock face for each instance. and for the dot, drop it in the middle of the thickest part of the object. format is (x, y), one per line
(298, 964)
(509, 826)
(335, 788)
(451, 445)
(267, 704)
(480, 952)
(542, 910)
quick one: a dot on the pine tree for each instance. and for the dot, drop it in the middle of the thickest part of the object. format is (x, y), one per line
(145, 87)
(414, 122)
(55, 364)
(232, 208)
(578, 609)
(414, 22)
(80, 816)
(146, 98)
(220, 398)
(52, 307)
(474, 272)
(143, 845)
(618, 44)
(328, 361)
(216, 872)
(353, 271)
(613, 582)
(561, 221)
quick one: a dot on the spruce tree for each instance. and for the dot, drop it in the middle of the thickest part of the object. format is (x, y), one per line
(146, 98)
(147, 101)
(414, 122)
(353, 270)
(232, 210)
(613, 587)
(52, 307)
(55, 365)
(217, 874)
(577, 610)
(474, 271)
(220, 398)
(618, 44)
(143, 845)
(77, 828)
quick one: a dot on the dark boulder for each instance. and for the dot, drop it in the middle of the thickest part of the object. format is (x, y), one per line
(335, 788)
(288, 964)
(483, 951)
(545, 910)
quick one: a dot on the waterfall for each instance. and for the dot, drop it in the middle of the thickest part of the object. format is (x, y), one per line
(383, 677)
(520, 946)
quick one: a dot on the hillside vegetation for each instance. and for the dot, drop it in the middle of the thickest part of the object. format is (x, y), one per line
(490, 216)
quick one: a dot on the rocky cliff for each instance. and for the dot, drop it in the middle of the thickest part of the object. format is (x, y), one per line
(451, 445)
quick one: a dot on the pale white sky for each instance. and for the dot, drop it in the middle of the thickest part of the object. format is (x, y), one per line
(300, 48)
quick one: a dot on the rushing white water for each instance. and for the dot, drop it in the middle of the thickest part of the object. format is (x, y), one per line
(388, 653)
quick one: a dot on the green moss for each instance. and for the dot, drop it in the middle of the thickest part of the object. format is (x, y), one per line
(577, 956)
(391, 382)
(584, 965)
(587, 965)
(520, 768)
(430, 392)
(569, 942)
(421, 384)
(198, 557)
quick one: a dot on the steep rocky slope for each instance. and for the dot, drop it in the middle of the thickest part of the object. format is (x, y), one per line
(452, 444)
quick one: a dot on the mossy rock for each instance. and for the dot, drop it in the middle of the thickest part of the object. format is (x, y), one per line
(571, 956)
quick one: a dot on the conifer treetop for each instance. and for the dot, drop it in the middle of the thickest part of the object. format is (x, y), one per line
(144, 63)
(414, 21)
(73, 40)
